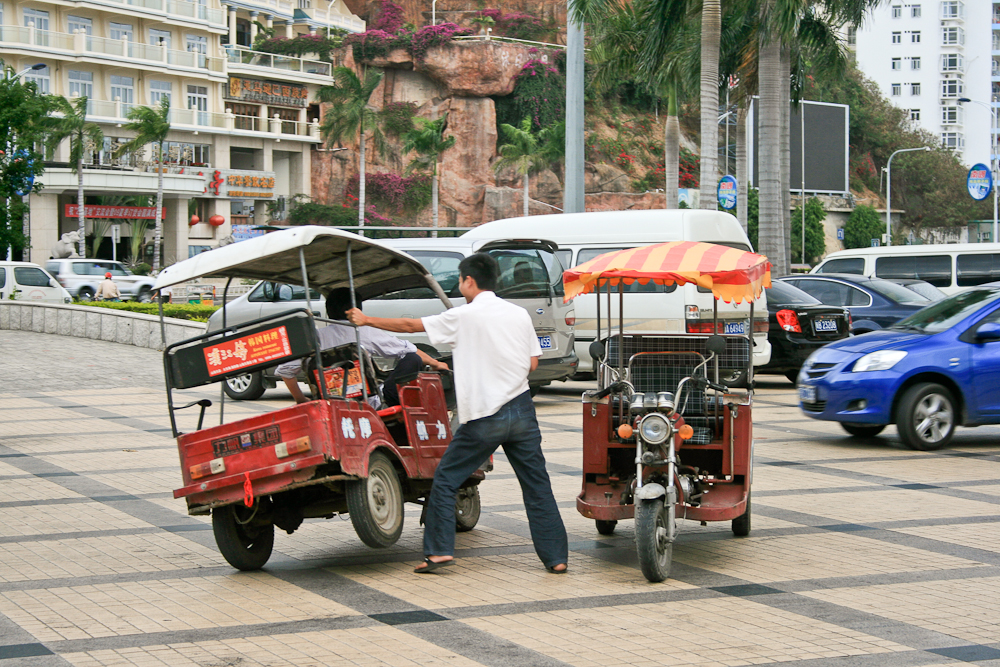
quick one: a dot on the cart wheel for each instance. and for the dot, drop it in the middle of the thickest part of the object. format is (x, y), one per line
(741, 524)
(862, 430)
(85, 294)
(245, 545)
(247, 387)
(926, 417)
(375, 504)
(655, 552)
(467, 509)
(605, 527)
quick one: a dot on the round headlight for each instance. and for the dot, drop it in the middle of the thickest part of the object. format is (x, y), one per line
(654, 429)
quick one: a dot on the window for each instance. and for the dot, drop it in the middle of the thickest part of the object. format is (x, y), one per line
(915, 36)
(953, 140)
(977, 269)
(951, 62)
(247, 116)
(897, 89)
(40, 20)
(914, 63)
(951, 115)
(159, 90)
(915, 89)
(122, 89)
(81, 84)
(109, 154)
(915, 11)
(897, 38)
(85, 25)
(851, 265)
(197, 44)
(897, 63)
(269, 291)
(186, 154)
(39, 77)
(159, 37)
(442, 265)
(897, 11)
(852, 35)
(951, 88)
(30, 276)
(952, 9)
(833, 293)
(197, 100)
(121, 31)
(915, 114)
(952, 36)
(935, 269)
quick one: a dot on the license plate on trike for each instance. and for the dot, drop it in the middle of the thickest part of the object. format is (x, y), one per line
(735, 327)
(545, 342)
(807, 393)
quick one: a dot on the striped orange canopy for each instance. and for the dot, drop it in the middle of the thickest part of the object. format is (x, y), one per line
(731, 274)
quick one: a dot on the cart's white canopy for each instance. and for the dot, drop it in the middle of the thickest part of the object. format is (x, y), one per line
(275, 256)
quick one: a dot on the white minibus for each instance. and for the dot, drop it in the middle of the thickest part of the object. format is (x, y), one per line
(950, 267)
(688, 308)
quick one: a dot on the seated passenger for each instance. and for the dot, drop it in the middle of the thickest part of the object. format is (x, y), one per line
(376, 342)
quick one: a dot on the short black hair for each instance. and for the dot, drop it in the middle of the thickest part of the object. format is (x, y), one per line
(338, 302)
(482, 268)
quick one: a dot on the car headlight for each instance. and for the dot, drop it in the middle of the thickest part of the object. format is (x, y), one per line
(881, 360)
(654, 428)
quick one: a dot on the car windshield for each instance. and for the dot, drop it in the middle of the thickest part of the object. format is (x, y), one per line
(948, 312)
(897, 293)
(785, 294)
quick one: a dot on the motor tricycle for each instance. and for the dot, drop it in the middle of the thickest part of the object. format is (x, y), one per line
(341, 452)
(663, 439)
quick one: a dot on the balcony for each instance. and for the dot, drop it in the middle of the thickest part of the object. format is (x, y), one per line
(247, 60)
(321, 14)
(180, 9)
(59, 44)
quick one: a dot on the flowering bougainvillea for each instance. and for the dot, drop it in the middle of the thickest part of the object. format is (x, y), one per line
(388, 33)
(517, 25)
(433, 35)
(390, 18)
(303, 45)
(391, 192)
(539, 94)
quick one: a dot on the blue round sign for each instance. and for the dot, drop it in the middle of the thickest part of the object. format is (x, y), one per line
(980, 181)
(726, 192)
(22, 186)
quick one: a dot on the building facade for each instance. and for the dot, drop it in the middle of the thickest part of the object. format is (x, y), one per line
(926, 55)
(244, 123)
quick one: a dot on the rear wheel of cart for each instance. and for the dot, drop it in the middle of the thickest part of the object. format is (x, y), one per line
(741, 524)
(654, 549)
(467, 509)
(247, 387)
(244, 544)
(605, 527)
(375, 504)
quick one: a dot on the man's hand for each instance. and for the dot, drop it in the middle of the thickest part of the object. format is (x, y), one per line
(439, 365)
(356, 317)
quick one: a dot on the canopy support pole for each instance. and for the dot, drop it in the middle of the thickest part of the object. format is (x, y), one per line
(320, 371)
(222, 385)
(357, 330)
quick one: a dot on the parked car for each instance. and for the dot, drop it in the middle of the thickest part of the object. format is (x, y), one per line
(81, 278)
(799, 325)
(29, 282)
(921, 287)
(874, 303)
(938, 368)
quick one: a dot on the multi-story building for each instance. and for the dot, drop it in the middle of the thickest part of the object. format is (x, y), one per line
(926, 55)
(244, 124)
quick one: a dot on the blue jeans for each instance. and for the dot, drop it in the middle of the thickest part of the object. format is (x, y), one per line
(515, 427)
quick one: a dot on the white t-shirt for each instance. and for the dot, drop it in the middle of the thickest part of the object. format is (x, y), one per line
(375, 341)
(492, 343)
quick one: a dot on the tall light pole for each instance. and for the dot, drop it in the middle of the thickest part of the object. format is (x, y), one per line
(30, 68)
(993, 150)
(888, 192)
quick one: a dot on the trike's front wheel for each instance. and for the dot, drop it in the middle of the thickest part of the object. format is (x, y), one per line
(652, 542)
(375, 504)
(244, 544)
(468, 508)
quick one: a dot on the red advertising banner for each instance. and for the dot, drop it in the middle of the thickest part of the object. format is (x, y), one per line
(126, 212)
(246, 351)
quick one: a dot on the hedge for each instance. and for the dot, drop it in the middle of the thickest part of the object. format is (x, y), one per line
(181, 311)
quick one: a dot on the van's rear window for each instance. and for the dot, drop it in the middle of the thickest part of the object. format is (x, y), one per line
(587, 254)
(854, 265)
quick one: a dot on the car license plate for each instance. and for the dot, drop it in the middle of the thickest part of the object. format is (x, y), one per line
(545, 342)
(825, 325)
(737, 327)
(807, 394)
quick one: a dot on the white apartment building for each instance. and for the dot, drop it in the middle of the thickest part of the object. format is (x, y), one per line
(244, 123)
(927, 54)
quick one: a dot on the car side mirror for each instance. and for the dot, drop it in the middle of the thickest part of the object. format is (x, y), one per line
(987, 332)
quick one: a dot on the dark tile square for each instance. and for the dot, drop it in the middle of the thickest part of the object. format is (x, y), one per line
(745, 590)
(783, 463)
(22, 651)
(915, 487)
(408, 617)
(971, 653)
(845, 527)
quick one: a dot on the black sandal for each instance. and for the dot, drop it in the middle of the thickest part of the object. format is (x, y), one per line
(553, 569)
(431, 565)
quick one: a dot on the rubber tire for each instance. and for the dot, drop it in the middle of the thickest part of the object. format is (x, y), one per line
(245, 390)
(655, 554)
(793, 377)
(606, 527)
(245, 550)
(906, 419)
(85, 294)
(145, 295)
(741, 524)
(375, 504)
(862, 430)
(468, 509)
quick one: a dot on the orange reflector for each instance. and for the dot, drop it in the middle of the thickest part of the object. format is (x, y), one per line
(625, 431)
(285, 449)
(686, 432)
(213, 467)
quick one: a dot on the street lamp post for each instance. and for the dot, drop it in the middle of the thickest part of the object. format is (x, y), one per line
(888, 192)
(993, 150)
(30, 68)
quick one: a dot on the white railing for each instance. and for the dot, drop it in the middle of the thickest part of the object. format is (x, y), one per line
(494, 38)
(251, 58)
(286, 6)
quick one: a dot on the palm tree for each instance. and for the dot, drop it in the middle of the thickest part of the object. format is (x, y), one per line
(151, 126)
(711, 29)
(83, 136)
(350, 114)
(427, 140)
(520, 152)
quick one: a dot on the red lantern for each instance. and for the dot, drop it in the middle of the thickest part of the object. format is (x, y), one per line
(194, 220)
(216, 221)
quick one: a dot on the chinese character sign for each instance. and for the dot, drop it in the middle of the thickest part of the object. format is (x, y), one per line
(727, 192)
(247, 351)
(980, 181)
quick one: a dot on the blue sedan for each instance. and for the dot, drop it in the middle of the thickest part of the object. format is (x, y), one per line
(938, 368)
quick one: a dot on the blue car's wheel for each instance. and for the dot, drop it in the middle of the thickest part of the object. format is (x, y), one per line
(862, 430)
(926, 417)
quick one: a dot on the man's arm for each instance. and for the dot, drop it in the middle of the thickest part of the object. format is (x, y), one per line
(431, 361)
(396, 324)
(534, 364)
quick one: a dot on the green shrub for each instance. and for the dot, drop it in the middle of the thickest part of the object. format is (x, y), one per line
(181, 311)
(864, 225)
(397, 117)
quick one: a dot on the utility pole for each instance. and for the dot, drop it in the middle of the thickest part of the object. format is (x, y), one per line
(573, 194)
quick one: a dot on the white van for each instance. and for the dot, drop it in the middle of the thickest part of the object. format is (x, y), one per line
(29, 282)
(950, 267)
(583, 236)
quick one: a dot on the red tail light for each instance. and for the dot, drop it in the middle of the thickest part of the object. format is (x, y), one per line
(789, 321)
(760, 326)
(571, 318)
(850, 321)
(213, 467)
(700, 326)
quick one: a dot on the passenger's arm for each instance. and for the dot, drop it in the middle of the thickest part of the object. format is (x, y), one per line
(431, 361)
(396, 324)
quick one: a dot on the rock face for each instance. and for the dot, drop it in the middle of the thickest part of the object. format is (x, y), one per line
(465, 168)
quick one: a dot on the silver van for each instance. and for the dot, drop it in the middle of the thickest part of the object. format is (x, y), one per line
(81, 278)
